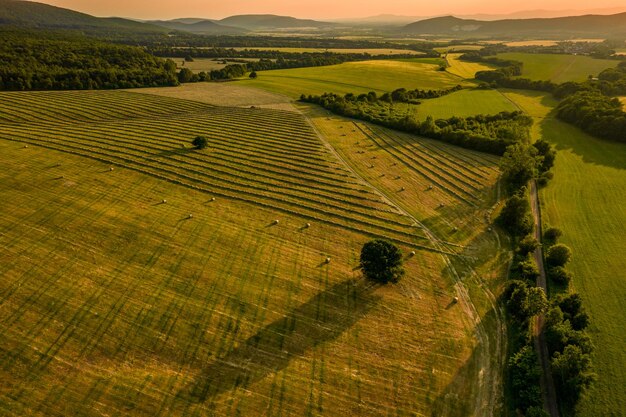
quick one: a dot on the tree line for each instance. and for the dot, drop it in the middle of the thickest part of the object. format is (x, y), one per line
(485, 133)
(566, 320)
(34, 61)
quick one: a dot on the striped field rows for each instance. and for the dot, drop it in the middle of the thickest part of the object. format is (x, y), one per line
(267, 157)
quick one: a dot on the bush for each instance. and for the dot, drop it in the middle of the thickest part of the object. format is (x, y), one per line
(558, 255)
(527, 245)
(253, 75)
(573, 310)
(515, 216)
(559, 275)
(552, 234)
(200, 142)
(528, 270)
(381, 261)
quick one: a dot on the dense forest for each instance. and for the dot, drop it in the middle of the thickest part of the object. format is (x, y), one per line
(596, 114)
(492, 133)
(53, 61)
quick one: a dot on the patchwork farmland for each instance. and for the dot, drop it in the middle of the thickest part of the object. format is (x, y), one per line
(153, 278)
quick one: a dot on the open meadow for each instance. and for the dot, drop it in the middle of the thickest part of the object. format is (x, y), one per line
(355, 77)
(586, 201)
(142, 276)
(559, 68)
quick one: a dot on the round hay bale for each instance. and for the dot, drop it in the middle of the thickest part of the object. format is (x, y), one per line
(455, 300)
(190, 216)
(412, 253)
(276, 222)
(308, 225)
(327, 260)
(111, 169)
(212, 198)
(26, 146)
(402, 189)
(164, 201)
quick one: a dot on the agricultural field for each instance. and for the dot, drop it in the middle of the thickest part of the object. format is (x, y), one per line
(142, 276)
(354, 77)
(559, 68)
(465, 103)
(371, 51)
(586, 201)
(464, 69)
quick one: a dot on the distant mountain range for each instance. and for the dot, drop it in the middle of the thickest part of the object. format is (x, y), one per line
(38, 15)
(241, 24)
(199, 26)
(587, 25)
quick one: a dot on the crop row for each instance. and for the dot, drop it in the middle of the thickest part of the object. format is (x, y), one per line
(449, 177)
(433, 175)
(474, 166)
(405, 235)
(236, 169)
(101, 105)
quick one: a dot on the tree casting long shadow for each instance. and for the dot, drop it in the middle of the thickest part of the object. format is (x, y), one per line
(321, 319)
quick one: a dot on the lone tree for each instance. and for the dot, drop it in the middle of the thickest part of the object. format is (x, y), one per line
(200, 142)
(381, 261)
(253, 75)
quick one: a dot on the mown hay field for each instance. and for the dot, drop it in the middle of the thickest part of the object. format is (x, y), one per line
(355, 77)
(586, 200)
(116, 302)
(559, 68)
(464, 69)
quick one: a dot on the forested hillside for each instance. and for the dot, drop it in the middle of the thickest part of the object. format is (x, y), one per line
(53, 61)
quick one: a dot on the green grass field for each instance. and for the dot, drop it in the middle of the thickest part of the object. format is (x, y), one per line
(465, 103)
(114, 302)
(559, 68)
(586, 200)
(354, 77)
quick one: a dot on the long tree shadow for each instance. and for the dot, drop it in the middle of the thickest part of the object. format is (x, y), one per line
(321, 319)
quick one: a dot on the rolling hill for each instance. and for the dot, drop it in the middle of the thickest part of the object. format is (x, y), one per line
(270, 21)
(29, 14)
(589, 25)
(200, 26)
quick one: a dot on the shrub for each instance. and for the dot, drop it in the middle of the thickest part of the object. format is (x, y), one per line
(381, 261)
(558, 255)
(200, 142)
(253, 75)
(527, 245)
(552, 234)
(559, 275)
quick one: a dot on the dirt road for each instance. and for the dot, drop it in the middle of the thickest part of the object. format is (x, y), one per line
(547, 383)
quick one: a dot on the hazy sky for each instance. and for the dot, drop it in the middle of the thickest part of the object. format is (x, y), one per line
(162, 9)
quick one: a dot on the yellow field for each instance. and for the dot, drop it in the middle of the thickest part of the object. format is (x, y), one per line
(465, 69)
(114, 301)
